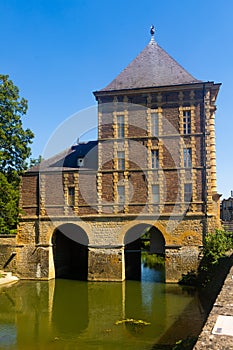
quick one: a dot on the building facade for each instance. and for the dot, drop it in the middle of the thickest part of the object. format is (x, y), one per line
(152, 170)
(227, 208)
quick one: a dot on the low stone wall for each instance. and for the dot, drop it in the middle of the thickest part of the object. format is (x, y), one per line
(223, 306)
(7, 253)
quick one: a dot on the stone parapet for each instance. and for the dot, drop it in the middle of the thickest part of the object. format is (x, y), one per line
(222, 306)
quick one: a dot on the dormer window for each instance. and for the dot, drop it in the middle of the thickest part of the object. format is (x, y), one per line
(80, 162)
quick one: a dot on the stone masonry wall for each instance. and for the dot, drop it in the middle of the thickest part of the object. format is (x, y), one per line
(222, 306)
(7, 253)
(105, 238)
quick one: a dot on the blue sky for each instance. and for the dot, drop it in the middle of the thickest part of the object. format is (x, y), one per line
(59, 51)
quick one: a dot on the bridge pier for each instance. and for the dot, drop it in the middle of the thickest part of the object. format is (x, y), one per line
(106, 264)
(181, 260)
(99, 247)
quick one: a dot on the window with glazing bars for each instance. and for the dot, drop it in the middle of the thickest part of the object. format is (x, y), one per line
(154, 124)
(120, 126)
(121, 160)
(187, 157)
(121, 193)
(155, 158)
(155, 193)
(188, 192)
(186, 122)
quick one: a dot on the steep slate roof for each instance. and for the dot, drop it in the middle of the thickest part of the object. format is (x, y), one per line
(152, 67)
(67, 159)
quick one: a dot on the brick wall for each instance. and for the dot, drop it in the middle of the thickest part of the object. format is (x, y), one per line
(54, 193)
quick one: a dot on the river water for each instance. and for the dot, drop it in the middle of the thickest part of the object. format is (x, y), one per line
(68, 314)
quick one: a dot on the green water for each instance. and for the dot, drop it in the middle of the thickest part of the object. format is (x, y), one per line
(69, 314)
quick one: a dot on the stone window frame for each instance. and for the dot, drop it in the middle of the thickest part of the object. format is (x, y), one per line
(120, 127)
(190, 127)
(70, 198)
(187, 157)
(186, 122)
(150, 123)
(155, 158)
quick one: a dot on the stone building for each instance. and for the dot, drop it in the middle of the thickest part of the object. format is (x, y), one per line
(153, 170)
(226, 208)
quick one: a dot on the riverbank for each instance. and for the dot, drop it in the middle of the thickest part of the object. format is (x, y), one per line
(7, 277)
(213, 337)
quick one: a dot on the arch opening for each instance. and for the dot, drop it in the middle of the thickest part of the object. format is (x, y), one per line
(70, 252)
(144, 254)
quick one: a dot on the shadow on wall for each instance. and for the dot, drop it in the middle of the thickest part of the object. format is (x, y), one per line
(70, 256)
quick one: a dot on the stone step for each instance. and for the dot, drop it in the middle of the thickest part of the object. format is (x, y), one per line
(7, 277)
(5, 274)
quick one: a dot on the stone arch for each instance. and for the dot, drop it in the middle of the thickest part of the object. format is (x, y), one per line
(126, 228)
(81, 224)
(133, 245)
(70, 252)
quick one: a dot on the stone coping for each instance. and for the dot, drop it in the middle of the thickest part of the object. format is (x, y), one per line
(223, 306)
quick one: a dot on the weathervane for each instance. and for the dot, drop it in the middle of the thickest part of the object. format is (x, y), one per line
(152, 30)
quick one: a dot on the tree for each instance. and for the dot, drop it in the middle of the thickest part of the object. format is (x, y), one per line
(9, 196)
(35, 161)
(14, 140)
(14, 151)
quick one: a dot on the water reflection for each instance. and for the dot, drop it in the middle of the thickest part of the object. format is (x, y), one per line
(68, 314)
(70, 308)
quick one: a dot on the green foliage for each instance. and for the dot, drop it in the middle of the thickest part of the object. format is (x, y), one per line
(9, 196)
(135, 325)
(14, 151)
(152, 260)
(215, 247)
(189, 278)
(35, 161)
(145, 244)
(133, 321)
(14, 140)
